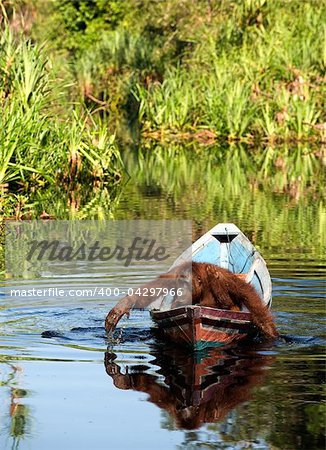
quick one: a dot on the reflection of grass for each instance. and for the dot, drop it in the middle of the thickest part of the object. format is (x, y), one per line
(277, 189)
(96, 202)
(232, 184)
(276, 423)
(18, 412)
(297, 170)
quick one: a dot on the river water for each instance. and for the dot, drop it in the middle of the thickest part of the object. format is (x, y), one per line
(63, 385)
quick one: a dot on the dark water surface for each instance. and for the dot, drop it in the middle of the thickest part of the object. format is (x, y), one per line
(64, 386)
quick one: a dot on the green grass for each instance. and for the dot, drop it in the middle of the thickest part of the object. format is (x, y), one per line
(73, 76)
(263, 81)
(39, 147)
(250, 70)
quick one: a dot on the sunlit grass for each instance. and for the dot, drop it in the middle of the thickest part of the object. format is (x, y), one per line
(263, 81)
(250, 71)
(39, 148)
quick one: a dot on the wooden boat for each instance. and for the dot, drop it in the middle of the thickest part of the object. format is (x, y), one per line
(225, 246)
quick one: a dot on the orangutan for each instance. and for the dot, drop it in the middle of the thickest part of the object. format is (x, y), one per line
(202, 284)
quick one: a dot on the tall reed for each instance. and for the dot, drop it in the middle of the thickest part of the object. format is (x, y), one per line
(38, 147)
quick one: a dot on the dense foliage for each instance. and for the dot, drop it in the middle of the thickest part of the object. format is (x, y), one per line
(249, 69)
(74, 74)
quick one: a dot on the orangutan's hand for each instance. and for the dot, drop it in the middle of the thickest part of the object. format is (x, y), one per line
(113, 318)
(122, 308)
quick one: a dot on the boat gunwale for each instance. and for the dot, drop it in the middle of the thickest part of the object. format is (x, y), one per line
(202, 312)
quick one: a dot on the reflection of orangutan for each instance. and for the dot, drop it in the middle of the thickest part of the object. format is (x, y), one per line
(210, 286)
(192, 405)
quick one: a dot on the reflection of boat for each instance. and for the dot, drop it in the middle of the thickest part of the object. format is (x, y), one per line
(225, 246)
(198, 387)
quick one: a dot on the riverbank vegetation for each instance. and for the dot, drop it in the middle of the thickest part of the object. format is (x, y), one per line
(80, 81)
(43, 142)
(249, 70)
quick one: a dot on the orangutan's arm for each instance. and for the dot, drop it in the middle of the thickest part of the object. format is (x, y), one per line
(145, 295)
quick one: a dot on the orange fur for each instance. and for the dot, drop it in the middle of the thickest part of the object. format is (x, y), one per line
(210, 286)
